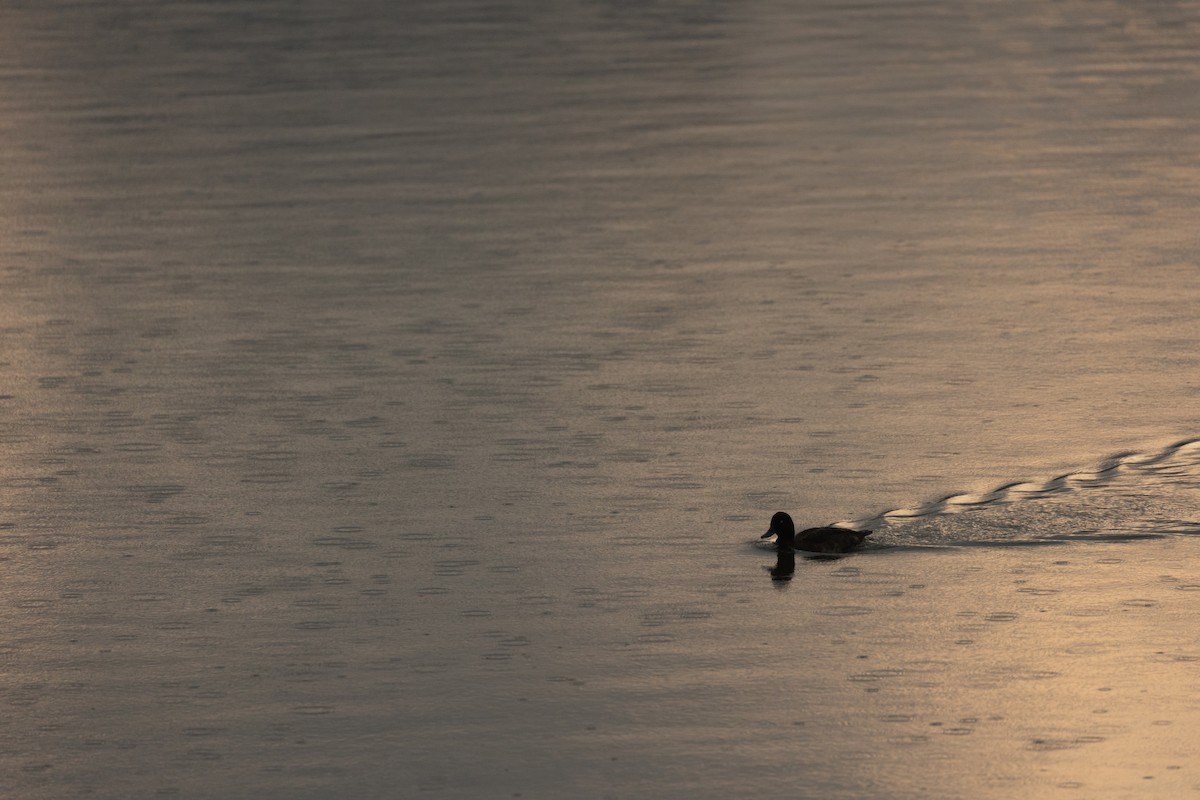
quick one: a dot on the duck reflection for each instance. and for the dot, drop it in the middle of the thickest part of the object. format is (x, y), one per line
(785, 563)
(785, 566)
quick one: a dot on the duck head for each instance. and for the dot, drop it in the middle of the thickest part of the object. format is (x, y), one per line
(782, 527)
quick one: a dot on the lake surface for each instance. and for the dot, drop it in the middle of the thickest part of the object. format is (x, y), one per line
(392, 396)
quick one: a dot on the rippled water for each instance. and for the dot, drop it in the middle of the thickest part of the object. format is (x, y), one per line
(392, 395)
(1154, 491)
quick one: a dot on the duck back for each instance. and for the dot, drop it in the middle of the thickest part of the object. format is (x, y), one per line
(829, 540)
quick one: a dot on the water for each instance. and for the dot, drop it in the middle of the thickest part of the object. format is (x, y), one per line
(393, 395)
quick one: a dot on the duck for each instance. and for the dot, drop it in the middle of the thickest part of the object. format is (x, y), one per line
(813, 540)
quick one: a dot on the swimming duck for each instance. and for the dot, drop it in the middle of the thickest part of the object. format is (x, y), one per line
(813, 540)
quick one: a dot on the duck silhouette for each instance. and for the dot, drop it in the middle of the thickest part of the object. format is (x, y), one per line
(813, 540)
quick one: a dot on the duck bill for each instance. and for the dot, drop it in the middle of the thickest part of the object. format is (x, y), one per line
(768, 533)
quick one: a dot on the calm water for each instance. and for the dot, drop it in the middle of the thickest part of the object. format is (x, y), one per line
(392, 395)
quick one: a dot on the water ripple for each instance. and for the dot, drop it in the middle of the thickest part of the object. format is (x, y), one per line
(1168, 460)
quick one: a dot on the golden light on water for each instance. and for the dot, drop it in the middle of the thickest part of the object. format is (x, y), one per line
(391, 398)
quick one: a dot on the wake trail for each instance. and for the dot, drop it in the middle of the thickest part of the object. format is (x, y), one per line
(1184, 453)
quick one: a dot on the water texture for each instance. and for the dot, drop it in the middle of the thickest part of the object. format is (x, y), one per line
(391, 395)
(1163, 476)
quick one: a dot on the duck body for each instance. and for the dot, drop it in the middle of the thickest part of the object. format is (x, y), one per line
(813, 540)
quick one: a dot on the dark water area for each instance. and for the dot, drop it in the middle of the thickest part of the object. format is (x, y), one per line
(392, 394)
